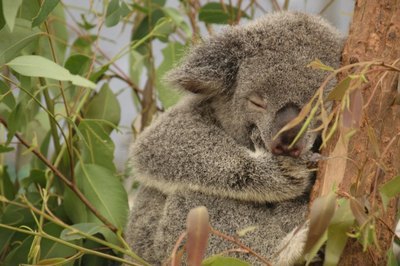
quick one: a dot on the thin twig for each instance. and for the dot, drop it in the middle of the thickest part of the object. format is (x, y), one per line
(175, 249)
(240, 244)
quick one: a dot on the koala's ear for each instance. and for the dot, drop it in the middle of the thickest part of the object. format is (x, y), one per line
(211, 67)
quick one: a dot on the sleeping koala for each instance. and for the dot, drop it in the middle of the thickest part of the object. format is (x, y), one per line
(216, 148)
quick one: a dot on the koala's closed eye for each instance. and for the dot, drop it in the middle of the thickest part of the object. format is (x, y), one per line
(257, 102)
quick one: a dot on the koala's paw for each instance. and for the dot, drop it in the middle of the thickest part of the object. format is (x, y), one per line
(295, 167)
(291, 248)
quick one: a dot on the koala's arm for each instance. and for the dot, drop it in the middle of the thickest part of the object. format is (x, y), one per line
(183, 151)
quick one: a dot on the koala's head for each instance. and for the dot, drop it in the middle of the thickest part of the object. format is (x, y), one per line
(256, 77)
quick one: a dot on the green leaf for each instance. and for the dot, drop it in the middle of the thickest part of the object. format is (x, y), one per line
(5, 239)
(85, 24)
(113, 13)
(36, 176)
(7, 188)
(45, 9)
(389, 190)
(10, 9)
(96, 145)
(17, 120)
(317, 64)
(78, 64)
(11, 43)
(223, 261)
(89, 229)
(18, 255)
(137, 64)
(214, 12)
(144, 26)
(97, 75)
(52, 261)
(104, 106)
(5, 149)
(391, 257)
(172, 53)
(6, 97)
(50, 249)
(37, 66)
(337, 233)
(178, 19)
(163, 28)
(2, 21)
(83, 44)
(104, 190)
(321, 213)
(338, 92)
(315, 248)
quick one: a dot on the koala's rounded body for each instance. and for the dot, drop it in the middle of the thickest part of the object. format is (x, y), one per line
(216, 148)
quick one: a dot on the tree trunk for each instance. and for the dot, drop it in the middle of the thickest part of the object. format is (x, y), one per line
(375, 148)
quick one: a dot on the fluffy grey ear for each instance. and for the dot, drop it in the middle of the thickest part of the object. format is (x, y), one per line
(210, 68)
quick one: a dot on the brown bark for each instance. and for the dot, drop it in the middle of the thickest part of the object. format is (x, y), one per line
(374, 35)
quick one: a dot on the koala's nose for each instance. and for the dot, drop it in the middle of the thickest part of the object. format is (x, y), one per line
(281, 146)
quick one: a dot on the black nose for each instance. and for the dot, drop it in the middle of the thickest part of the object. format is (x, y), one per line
(281, 146)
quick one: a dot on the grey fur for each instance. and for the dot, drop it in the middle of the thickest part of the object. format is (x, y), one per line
(213, 148)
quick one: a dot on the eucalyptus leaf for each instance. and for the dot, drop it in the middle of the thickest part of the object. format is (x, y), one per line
(214, 12)
(339, 91)
(7, 188)
(104, 106)
(6, 98)
(223, 261)
(50, 249)
(37, 66)
(17, 120)
(45, 9)
(10, 9)
(77, 64)
(11, 43)
(113, 13)
(321, 213)
(5, 149)
(137, 65)
(337, 233)
(172, 54)
(89, 229)
(98, 74)
(2, 20)
(5, 239)
(389, 190)
(105, 192)
(96, 145)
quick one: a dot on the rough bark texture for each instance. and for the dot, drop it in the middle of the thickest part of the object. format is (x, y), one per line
(374, 35)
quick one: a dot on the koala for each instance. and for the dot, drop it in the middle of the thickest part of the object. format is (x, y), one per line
(216, 147)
